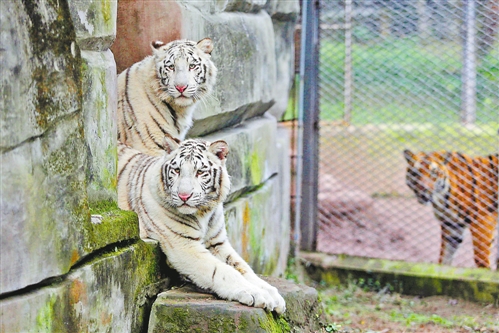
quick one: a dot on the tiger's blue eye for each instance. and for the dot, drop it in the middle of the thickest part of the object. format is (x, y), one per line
(192, 66)
(171, 67)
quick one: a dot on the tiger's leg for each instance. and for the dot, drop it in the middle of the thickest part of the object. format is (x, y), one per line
(190, 258)
(226, 253)
(483, 233)
(452, 237)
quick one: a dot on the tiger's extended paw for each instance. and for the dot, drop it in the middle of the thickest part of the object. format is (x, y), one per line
(278, 304)
(256, 297)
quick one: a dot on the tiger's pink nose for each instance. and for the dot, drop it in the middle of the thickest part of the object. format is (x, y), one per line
(181, 88)
(184, 197)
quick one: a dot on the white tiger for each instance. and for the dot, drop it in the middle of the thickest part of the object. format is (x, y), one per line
(179, 200)
(158, 95)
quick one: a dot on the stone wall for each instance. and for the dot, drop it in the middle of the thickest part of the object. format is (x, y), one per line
(60, 271)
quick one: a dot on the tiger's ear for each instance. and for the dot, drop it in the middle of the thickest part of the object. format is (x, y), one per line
(205, 45)
(409, 156)
(170, 143)
(220, 149)
(156, 44)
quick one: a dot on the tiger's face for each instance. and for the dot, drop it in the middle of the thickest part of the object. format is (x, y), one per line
(424, 175)
(194, 176)
(185, 71)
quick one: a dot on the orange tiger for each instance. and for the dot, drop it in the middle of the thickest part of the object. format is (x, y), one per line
(463, 192)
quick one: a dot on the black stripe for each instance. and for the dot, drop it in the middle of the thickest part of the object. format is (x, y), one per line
(163, 175)
(204, 73)
(215, 175)
(213, 218)
(132, 113)
(213, 275)
(149, 135)
(126, 164)
(215, 245)
(159, 126)
(182, 235)
(142, 175)
(120, 139)
(173, 113)
(453, 239)
(160, 113)
(176, 218)
(220, 179)
(468, 218)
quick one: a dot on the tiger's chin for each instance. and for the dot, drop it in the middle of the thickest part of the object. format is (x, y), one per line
(183, 101)
(186, 210)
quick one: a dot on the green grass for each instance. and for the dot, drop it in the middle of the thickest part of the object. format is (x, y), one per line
(363, 306)
(404, 81)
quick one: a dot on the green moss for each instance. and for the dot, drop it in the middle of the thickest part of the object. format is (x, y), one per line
(413, 278)
(106, 11)
(176, 321)
(256, 168)
(224, 324)
(45, 316)
(275, 324)
(49, 319)
(116, 225)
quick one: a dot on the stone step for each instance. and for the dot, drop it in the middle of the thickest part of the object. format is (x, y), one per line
(188, 310)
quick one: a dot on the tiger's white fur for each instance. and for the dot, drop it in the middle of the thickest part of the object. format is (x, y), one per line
(179, 200)
(157, 96)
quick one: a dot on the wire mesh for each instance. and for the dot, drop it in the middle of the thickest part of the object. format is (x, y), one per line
(419, 76)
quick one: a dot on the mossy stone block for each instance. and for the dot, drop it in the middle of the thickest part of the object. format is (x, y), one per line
(423, 279)
(245, 57)
(109, 225)
(94, 22)
(43, 207)
(99, 108)
(40, 81)
(189, 310)
(111, 293)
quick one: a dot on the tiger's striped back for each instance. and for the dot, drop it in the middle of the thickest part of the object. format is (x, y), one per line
(463, 192)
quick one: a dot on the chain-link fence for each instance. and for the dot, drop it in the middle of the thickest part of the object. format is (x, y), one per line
(415, 75)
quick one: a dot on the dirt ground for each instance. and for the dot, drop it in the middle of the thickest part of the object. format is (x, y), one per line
(411, 234)
(353, 309)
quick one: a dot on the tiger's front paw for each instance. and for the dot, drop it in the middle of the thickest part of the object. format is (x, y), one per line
(270, 300)
(256, 297)
(279, 303)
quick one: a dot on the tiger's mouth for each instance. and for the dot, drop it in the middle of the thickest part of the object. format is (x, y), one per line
(186, 209)
(183, 100)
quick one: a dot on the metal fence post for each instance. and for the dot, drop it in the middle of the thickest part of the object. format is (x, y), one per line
(348, 90)
(468, 112)
(309, 114)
